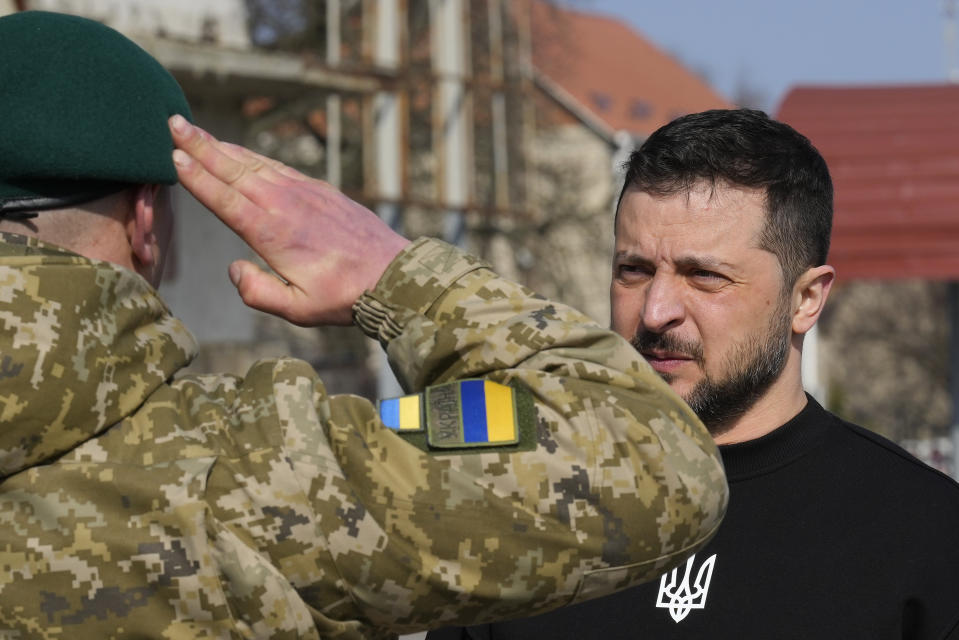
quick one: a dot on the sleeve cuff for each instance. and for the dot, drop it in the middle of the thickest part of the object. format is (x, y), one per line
(420, 274)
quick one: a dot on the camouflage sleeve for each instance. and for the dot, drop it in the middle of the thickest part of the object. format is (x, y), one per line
(139, 504)
(622, 483)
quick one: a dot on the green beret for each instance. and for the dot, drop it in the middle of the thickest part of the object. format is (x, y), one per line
(84, 112)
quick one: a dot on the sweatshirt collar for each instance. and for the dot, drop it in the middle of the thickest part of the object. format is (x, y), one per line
(779, 447)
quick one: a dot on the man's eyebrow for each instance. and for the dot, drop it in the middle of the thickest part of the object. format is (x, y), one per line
(683, 262)
(631, 257)
(700, 262)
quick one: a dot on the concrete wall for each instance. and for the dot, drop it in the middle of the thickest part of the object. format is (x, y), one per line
(196, 285)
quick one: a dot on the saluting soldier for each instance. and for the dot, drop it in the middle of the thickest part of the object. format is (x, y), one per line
(536, 461)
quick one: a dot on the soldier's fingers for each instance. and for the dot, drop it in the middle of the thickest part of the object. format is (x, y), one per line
(227, 203)
(254, 175)
(273, 168)
(207, 151)
(268, 168)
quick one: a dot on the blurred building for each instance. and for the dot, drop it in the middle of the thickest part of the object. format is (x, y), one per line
(890, 355)
(496, 125)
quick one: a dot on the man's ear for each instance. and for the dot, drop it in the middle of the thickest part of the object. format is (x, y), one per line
(809, 297)
(140, 224)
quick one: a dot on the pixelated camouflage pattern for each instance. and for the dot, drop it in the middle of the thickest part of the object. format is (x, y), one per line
(138, 505)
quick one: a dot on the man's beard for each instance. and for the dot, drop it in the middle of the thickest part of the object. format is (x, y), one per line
(749, 370)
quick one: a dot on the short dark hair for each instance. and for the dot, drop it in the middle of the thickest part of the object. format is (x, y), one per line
(746, 148)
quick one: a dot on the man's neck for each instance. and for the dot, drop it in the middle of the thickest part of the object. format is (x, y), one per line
(784, 399)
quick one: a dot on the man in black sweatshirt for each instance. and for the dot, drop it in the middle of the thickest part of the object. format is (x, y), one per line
(722, 233)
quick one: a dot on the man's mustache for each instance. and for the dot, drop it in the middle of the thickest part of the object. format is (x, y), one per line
(645, 341)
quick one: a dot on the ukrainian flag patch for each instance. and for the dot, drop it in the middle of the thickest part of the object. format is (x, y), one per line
(404, 414)
(471, 413)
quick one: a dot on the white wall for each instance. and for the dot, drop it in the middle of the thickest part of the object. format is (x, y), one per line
(190, 20)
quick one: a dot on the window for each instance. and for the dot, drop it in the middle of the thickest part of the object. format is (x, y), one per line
(640, 109)
(602, 101)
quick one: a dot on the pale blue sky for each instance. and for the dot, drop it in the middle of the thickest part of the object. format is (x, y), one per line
(771, 45)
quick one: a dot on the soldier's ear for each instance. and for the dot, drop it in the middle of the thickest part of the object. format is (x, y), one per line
(140, 224)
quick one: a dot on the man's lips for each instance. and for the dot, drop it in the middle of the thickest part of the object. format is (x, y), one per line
(664, 362)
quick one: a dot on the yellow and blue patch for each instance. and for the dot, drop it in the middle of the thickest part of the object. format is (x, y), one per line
(471, 413)
(402, 414)
(466, 413)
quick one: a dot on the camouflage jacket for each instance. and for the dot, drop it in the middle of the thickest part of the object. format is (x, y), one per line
(139, 504)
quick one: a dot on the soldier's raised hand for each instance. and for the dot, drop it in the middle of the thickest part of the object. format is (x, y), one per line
(326, 248)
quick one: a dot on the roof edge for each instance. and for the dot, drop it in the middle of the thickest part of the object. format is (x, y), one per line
(574, 106)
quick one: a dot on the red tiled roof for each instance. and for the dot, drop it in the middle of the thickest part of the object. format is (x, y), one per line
(893, 153)
(614, 72)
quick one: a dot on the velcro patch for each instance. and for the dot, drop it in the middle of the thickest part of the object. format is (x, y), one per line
(471, 413)
(404, 414)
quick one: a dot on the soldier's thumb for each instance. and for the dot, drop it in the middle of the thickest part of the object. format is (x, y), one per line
(260, 290)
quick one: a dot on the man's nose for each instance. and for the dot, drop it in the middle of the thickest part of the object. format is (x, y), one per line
(664, 308)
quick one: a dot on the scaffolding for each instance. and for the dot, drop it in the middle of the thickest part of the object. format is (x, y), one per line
(422, 104)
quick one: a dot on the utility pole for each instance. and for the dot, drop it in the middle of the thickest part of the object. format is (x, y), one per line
(952, 71)
(949, 39)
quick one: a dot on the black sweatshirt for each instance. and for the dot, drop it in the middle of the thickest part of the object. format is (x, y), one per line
(832, 532)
